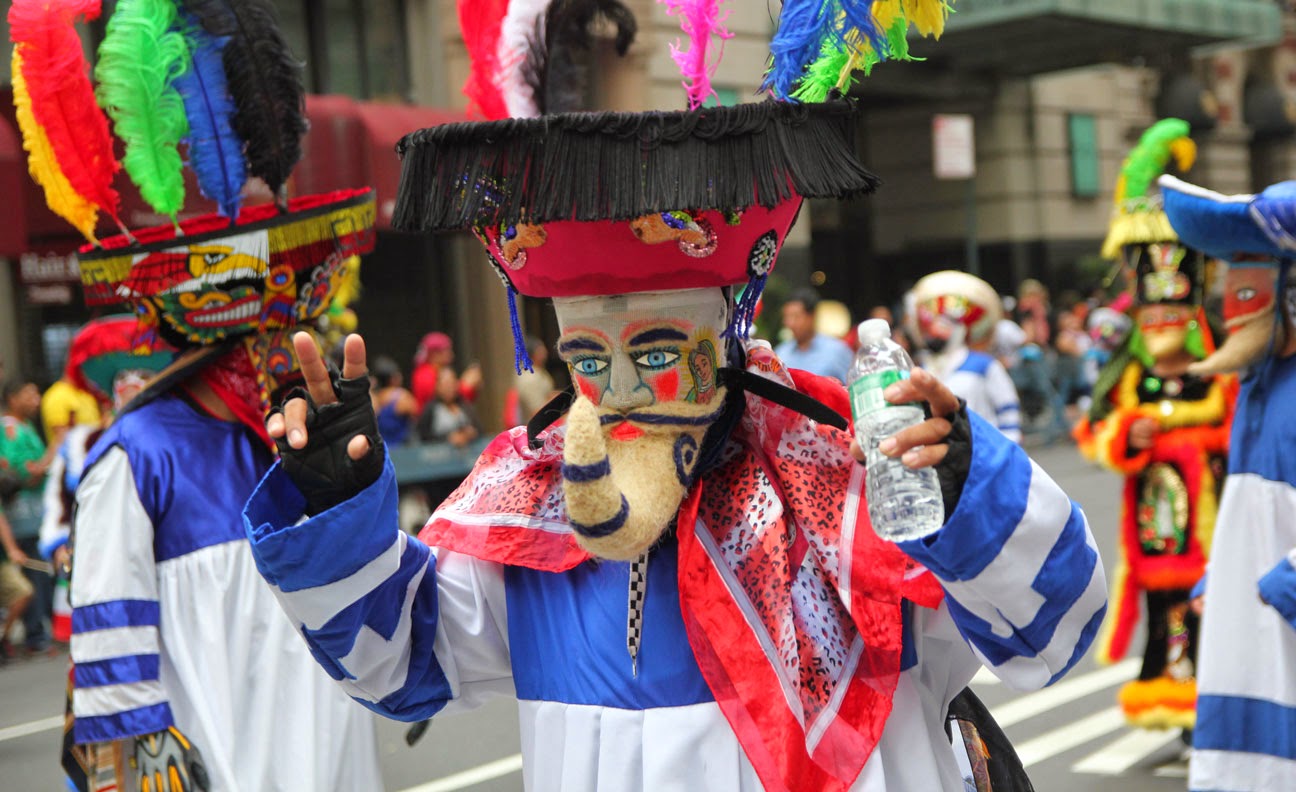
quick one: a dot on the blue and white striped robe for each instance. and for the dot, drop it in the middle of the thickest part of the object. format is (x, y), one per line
(408, 631)
(1245, 740)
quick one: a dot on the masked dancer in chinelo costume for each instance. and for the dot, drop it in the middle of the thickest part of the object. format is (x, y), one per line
(187, 674)
(1165, 428)
(1246, 674)
(679, 584)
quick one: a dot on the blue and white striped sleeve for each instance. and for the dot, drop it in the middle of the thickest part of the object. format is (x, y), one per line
(1024, 581)
(403, 631)
(1007, 405)
(116, 691)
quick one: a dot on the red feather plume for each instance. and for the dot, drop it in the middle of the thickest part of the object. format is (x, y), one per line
(63, 100)
(480, 22)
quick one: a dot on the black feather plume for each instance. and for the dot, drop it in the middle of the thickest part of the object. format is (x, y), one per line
(557, 65)
(265, 81)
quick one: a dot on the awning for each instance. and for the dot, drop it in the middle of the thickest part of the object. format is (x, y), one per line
(986, 40)
(353, 143)
(13, 172)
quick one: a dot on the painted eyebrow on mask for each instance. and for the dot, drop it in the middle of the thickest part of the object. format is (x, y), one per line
(580, 345)
(657, 334)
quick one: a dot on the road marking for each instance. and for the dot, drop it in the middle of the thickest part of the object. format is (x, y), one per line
(472, 776)
(1177, 769)
(1058, 741)
(1124, 753)
(31, 727)
(1064, 692)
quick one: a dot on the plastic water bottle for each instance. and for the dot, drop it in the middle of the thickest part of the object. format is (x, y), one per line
(903, 503)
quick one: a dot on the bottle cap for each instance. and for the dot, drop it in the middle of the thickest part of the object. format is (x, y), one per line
(872, 331)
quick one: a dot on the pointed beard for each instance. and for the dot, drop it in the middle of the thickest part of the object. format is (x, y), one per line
(1244, 346)
(622, 495)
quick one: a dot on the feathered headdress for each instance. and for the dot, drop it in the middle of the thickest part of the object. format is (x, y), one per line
(1137, 217)
(207, 84)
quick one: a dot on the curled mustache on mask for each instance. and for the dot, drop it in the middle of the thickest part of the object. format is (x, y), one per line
(623, 495)
(1247, 342)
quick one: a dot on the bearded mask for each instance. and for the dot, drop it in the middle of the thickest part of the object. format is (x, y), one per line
(1249, 306)
(645, 370)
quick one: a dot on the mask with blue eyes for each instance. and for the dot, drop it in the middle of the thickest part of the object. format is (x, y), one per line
(646, 371)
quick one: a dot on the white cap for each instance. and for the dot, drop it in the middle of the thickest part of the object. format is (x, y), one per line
(871, 331)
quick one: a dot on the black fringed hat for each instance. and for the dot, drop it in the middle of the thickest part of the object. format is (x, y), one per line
(611, 203)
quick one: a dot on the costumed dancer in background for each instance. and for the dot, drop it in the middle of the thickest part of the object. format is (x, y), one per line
(679, 584)
(105, 361)
(1166, 430)
(956, 316)
(1246, 674)
(187, 676)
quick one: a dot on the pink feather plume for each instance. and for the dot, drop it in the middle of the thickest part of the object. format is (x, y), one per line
(480, 22)
(701, 20)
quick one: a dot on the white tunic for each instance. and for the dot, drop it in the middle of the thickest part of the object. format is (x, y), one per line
(172, 624)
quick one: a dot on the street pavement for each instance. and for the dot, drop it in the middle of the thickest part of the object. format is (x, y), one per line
(1070, 736)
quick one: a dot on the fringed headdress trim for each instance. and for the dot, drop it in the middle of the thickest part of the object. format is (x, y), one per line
(618, 166)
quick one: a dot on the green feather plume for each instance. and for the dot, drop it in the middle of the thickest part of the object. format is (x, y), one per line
(839, 58)
(1148, 159)
(141, 55)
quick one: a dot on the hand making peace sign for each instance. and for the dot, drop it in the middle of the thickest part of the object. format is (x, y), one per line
(328, 437)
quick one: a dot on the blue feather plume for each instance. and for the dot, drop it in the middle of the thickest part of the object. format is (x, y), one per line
(806, 28)
(215, 149)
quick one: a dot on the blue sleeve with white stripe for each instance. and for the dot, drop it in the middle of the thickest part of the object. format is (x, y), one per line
(116, 692)
(1024, 581)
(362, 593)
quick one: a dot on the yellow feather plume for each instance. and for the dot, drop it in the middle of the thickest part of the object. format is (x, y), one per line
(62, 199)
(928, 16)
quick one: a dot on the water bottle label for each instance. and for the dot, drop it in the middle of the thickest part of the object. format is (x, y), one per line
(866, 391)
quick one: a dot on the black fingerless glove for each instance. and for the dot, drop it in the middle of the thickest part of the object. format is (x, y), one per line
(952, 471)
(323, 470)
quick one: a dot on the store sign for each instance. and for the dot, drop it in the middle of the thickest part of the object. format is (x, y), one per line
(48, 268)
(50, 294)
(953, 147)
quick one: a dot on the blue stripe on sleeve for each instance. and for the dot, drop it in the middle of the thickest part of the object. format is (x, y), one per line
(1061, 580)
(1009, 407)
(116, 671)
(426, 689)
(1236, 723)
(989, 509)
(116, 613)
(121, 725)
(288, 553)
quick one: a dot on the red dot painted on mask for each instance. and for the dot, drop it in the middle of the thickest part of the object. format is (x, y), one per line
(666, 386)
(588, 389)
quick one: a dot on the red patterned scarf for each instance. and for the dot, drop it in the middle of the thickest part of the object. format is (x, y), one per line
(762, 552)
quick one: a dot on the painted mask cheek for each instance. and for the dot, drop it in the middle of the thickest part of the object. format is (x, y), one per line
(588, 389)
(665, 385)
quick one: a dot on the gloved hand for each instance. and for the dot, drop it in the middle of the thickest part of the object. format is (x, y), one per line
(166, 761)
(326, 433)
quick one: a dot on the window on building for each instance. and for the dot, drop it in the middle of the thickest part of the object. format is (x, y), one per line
(723, 97)
(1082, 138)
